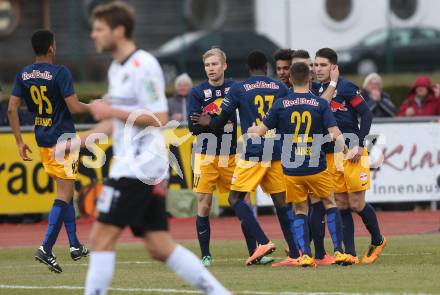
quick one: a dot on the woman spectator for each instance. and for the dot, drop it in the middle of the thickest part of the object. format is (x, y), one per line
(422, 100)
(378, 101)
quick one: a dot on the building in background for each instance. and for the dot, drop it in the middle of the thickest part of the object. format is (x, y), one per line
(289, 23)
(157, 22)
(338, 23)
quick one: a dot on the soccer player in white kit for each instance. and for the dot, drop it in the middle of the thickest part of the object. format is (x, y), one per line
(134, 195)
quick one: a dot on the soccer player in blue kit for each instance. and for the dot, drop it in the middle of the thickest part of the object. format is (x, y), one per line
(352, 175)
(304, 165)
(47, 90)
(260, 163)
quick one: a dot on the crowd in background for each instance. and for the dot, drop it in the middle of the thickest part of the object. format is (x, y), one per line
(423, 98)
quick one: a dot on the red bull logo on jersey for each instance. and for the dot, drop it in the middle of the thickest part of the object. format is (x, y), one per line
(36, 74)
(213, 107)
(299, 101)
(337, 106)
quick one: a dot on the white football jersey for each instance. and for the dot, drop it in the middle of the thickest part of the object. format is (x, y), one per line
(137, 85)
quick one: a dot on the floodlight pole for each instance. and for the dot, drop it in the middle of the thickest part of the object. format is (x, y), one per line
(389, 40)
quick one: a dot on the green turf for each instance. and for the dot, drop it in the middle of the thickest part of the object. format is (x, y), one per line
(409, 264)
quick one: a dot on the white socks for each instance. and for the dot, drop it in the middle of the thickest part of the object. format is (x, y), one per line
(187, 266)
(182, 261)
(100, 273)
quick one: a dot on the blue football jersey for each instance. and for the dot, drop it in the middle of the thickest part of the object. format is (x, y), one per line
(206, 98)
(347, 96)
(302, 119)
(254, 97)
(44, 87)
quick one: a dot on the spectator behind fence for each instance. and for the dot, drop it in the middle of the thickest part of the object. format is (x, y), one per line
(177, 103)
(423, 99)
(378, 101)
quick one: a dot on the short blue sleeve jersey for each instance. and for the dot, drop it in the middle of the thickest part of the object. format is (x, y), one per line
(302, 119)
(206, 98)
(44, 87)
(254, 97)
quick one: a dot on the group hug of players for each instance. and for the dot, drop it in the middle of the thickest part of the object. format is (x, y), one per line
(303, 144)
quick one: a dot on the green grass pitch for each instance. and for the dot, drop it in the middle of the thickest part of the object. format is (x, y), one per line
(410, 264)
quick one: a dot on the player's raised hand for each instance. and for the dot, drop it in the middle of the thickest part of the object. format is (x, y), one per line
(23, 149)
(334, 73)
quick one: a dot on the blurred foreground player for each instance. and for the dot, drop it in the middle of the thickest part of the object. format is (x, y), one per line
(135, 194)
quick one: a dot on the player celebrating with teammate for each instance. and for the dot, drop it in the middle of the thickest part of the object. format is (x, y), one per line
(303, 160)
(259, 165)
(47, 90)
(283, 61)
(352, 176)
(214, 152)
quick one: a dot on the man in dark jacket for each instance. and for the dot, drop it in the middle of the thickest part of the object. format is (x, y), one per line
(378, 101)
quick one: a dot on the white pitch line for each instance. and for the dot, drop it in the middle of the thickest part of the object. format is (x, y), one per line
(168, 291)
(182, 291)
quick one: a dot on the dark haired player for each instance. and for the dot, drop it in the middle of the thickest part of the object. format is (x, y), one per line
(301, 118)
(47, 90)
(351, 176)
(283, 61)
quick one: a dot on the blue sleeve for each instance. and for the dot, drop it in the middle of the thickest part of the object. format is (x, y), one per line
(327, 115)
(366, 120)
(351, 93)
(64, 81)
(231, 101)
(194, 106)
(17, 89)
(271, 118)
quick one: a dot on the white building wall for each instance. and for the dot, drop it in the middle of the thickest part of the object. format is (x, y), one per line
(309, 26)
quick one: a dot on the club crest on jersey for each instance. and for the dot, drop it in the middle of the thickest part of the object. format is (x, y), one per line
(363, 176)
(208, 93)
(218, 92)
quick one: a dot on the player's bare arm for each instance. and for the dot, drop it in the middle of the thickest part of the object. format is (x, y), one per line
(338, 138)
(75, 106)
(103, 111)
(14, 122)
